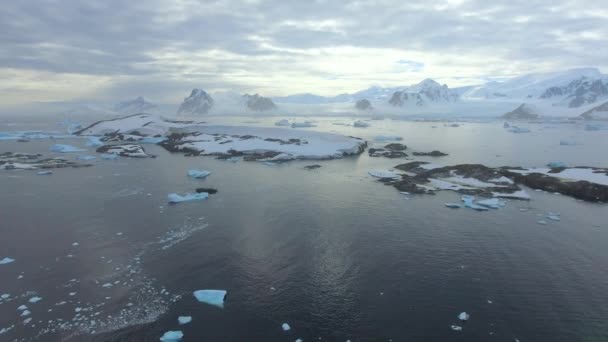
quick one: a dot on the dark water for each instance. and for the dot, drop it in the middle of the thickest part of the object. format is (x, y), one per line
(331, 252)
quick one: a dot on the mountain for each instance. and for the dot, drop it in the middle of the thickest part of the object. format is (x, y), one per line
(259, 103)
(524, 112)
(138, 105)
(596, 113)
(363, 104)
(423, 93)
(571, 88)
(198, 103)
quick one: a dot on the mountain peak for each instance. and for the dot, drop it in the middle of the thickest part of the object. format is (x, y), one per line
(199, 102)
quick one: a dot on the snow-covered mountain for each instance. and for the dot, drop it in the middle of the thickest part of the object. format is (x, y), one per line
(258, 103)
(423, 93)
(198, 103)
(571, 88)
(596, 113)
(138, 105)
(525, 111)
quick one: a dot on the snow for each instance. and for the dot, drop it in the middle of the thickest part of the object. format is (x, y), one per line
(198, 173)
(463, 316)
(429, 166)
(361, 124)
(211, 297)
(456, 328)
(283, 122)
(383, 174)
(62, 148)
(572, 174)
(176, 198)
(172, 336)
(385, 138)
(285, 327)
(184, 319)
(143, 123)
(6, 260)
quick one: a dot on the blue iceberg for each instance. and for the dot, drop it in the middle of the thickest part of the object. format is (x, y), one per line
(172, 336)
(184, 319)
(44, 173)
(198, 173)
(469, 202)
(6, 260)
(556, 164)
(61, 148)
(175, 198)
(94, 142)
(493, 203)
(211, 297)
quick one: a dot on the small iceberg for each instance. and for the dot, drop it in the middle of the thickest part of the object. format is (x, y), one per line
(515, 129)
(94, 142)
(302, 124)
(211, 297)
(108, 156)
(22, 308)
(492, 203)
(553, 216)
(86, 157)
(25, 313)
(469, 202)
(456, 328)
(44, 173)
(453, 205)
(285, 327)
(568, 143)
(35, 299)
(62, 148)
(463, 316)
(172, 336)
(283, 122)
(6, 260)
(198, 173)
(360, 124)
(176, 198)
(556, 164)
(184, 319)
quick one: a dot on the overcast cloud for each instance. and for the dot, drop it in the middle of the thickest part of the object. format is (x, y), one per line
(61, 50)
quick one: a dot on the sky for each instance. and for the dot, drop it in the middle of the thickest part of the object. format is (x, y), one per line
(70, 50)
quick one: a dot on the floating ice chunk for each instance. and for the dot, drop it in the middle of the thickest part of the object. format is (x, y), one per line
(35, 299)
(107, 285)
(6, 260)
(383, 174)
(211, 297)
(299, 340)
(568, 143)
(108, 156)
(22, 307)
(456, 328)
(556, 164)
(62, 148)
(553, 216)
(75, 244)
(198, 173)
(493, 203)
(463, 316)
(515, 129)
(94, 142)
(5, 296)
(27, 320)
(283, 122)
(360, 123)
(85, 157)
(172, 336)
(44, 173)
(151, 140)
(469, 202)
(453, 205)
(175, 198)
(383, 138)
(285, 327)
(25, 313)
(184, 319)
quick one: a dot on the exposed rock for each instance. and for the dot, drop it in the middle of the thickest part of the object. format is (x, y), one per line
(380, 152)
(125, 150)
(434, 153)
(425, 92)
(363, 104)
(198, 103)
(581, 189)
(312, 167)
(210, 191)
(523, 112)
(27, 161)
(396, 147)
(259, 103)
(579, 92)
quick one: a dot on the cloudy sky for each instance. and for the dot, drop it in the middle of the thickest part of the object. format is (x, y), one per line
(64, 50)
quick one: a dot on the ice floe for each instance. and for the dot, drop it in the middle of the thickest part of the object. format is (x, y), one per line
(63, 148)
(35, 299)
(172, 336)
(124, 150)
(198, 173)
(285, 327)
(211, 297)
(176, 198)
(184, 319)
(463, 316)
(6, 260)
(94, 142)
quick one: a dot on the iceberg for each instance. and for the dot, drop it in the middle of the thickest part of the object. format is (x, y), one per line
(22, 308)
(5, 296)
(211, 297)
(184, 319)
(6, 260)
(172, 336)
(25, 313)
(463, 316)
(94, 142)
(553, 216)
(62, 148)
(453, 205)
(515, 129)
(283, 122)
(568, 143)
(175, 198)
(44, 173)
(360, 124)
(493, 203)
(86, 157)
(285, 327)
(198, 173)
(108, 156)
(35, 299)
(556, 164)
(456, 328)
(469, 202)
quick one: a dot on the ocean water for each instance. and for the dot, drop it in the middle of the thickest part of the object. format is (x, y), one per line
(332, 252)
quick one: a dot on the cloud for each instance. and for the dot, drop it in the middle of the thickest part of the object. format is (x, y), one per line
(277, 47)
